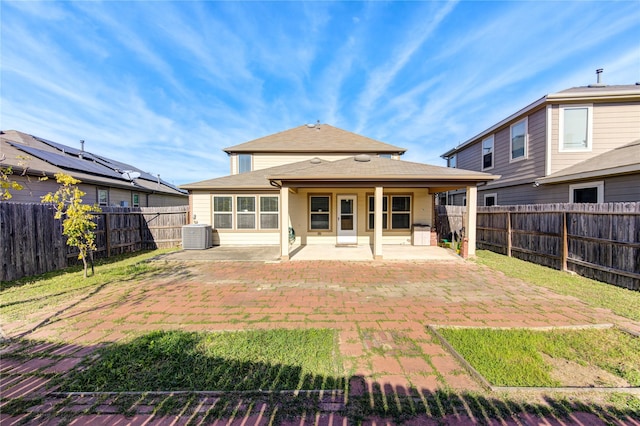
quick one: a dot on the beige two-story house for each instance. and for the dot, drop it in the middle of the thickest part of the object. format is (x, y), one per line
(318, 184)
(580, 145)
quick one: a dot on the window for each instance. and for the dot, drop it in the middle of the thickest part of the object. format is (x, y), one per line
(400, 212)
(575, 128)
(591, 192)
(244, 163)
(103, 197)
(490, 199)
(519, 140)
(246, 212)
(223, 212)
(135, 200)
(487, 153)
(269, 213)
(384, 155)
(319, 212)
(452, 161)
(385, 212)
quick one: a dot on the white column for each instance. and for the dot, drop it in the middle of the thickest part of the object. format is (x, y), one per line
(377, 221)
(284, 223)
(470, 223)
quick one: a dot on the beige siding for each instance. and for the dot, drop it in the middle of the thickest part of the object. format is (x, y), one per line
(201, 205)
(236, 238)
(614, 125)
(264, 161)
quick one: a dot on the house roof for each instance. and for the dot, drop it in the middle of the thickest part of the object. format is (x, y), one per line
(320, 138)
(358, 169)
(37, 156)
(621, 160)
(574, 94)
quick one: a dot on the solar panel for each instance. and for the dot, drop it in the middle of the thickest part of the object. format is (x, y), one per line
(69, 162)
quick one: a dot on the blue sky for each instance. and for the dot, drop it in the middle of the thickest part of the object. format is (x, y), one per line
(166, 85)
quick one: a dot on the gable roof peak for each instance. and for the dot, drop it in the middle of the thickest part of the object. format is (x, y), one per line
(312, 138)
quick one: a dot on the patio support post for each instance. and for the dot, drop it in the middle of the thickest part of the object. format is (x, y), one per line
(470, 221)
(377, 221)
(284, 223)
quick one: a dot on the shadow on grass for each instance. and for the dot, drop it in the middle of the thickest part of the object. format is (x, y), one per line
(39, 377)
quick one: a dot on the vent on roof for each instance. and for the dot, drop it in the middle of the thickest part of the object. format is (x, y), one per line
(311, 125)
(599, 82)
(316, 160)
(362, 158)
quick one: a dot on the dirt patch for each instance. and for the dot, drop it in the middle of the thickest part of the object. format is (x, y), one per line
(570, 373)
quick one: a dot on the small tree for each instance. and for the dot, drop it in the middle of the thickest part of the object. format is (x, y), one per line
(77, 220)
(6, 183)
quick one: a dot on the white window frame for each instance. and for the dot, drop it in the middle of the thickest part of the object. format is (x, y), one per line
(597, 184)
(385, 223)
(226, 213)
(104, 191)
(400, 212)
(493, 151)
(526, 140)
(245, 212)
(269, 213)
(240, 156)
(495, 197)
(327, 213)
(563, 108)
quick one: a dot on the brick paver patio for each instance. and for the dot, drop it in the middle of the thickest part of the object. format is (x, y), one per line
(376, 306)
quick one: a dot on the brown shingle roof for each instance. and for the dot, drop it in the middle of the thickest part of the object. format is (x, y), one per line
(315, 138)
(346, 170)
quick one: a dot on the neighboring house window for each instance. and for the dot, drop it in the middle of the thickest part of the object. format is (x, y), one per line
(135, 200)
(244, 163)
(246, 212)
(223, 212)
(575, 128)
(452, 161)
(269, 217)
(490, 199)
(319, 212)
(385, 212)
(384, 155)
(487, 153)
(400, 212)
(591, 192)
(519, 140)
(103, 197)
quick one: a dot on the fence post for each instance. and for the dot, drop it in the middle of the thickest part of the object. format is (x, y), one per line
(107, 230)
(565, 242)
(509, 234)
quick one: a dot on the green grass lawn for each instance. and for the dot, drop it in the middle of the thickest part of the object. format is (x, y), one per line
(47, 292)
(514, 357)
(621, 301)
(221, 361)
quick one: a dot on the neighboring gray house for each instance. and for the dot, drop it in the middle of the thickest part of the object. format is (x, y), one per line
(579, 145)
(106, 182)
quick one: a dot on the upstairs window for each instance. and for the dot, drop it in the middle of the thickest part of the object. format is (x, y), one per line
(244, 163)
(452, 161)
(487, 153)
(575, 128)
(519, 140)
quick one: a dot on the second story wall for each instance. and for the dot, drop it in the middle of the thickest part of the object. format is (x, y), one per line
(613, 125)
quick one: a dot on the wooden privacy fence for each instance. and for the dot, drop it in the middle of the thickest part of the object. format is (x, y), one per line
(599, 241)
(31, 240)
(450, 222)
